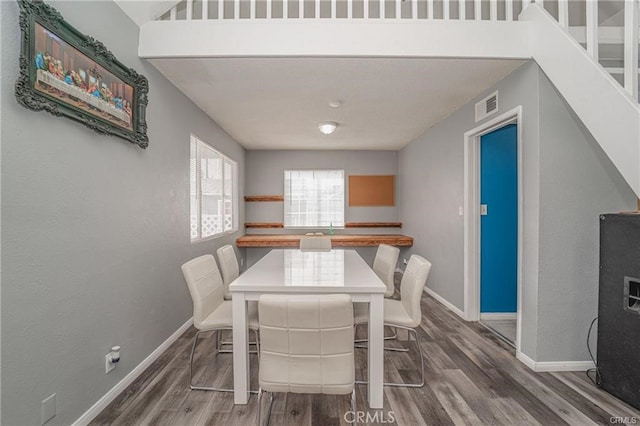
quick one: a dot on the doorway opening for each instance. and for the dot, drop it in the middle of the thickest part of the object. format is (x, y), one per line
(499, 231)
(493, 225)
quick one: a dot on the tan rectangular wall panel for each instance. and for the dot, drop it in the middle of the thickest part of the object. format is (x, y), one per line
(372, 190)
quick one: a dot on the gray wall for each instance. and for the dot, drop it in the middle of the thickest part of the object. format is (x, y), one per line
(432, 189)
(577, 184)
(567, 181)
(94, 231)
(266, 177)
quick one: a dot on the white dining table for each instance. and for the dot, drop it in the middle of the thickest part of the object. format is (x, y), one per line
(291, 271)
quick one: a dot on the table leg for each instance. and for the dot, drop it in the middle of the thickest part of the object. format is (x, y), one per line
(376, 349)
(240, 349)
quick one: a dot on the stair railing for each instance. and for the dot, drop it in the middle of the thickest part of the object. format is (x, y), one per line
(461, 10)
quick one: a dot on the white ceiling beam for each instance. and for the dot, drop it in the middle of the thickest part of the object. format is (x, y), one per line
(238, 38)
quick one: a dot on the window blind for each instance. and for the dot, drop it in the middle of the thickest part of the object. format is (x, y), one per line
(314, 198)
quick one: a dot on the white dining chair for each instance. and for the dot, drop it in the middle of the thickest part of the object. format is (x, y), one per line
(315, 243)
(384, 265)
(230, 271)
(228, 266)
(404, 313)
(306, 346)
(210, 311)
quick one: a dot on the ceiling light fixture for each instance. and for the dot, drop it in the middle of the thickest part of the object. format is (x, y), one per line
(335, 104)
(327, 127)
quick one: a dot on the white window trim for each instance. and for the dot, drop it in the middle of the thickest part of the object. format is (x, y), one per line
(234, 195)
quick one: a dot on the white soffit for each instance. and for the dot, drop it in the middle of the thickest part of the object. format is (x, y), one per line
(277, 103)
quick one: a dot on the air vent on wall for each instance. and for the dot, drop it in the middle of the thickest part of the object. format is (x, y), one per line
(487, 106)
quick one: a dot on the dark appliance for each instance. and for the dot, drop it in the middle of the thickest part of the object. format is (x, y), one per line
(619, 307)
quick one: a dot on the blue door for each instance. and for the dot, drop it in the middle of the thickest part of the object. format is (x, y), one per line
(499, 223)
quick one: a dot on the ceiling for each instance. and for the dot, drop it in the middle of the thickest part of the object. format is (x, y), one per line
(277, 103)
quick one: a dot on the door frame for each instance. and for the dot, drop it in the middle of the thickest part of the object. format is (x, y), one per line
(472, 214)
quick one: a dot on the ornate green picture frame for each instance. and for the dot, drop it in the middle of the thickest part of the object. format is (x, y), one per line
(69, 74)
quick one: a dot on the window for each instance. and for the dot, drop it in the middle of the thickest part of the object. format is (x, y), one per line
(313, 198)
(213, 183)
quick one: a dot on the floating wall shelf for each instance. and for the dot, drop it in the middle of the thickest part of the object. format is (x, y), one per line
(264, 225)
(336, 240)
(346, 225)
(267, 198)
(373, 225)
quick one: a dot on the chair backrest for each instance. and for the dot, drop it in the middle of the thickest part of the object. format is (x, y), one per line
(384, 265)
(306, 343)
(205, 286)
(228, 265)
(412, 285)
(315, 243)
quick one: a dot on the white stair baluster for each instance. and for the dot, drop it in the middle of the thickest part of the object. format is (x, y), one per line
(445, 9)
(174, 13)
(493, 10)
(592, 29)
(563, 13)
(189, 10)
(477, 10)
(462, 10)
(631, 47)
(508, 10)
(205, 9)
(430, 9)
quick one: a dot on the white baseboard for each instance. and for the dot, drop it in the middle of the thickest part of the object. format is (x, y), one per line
(548, 366)
(526, 360)
(102, 403)
(496, 316)
(544, 366)
(564, 366)
(445, 302)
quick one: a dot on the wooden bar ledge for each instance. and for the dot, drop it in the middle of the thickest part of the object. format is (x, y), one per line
(343, 240)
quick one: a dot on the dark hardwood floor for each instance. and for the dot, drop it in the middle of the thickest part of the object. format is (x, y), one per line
(472, 377)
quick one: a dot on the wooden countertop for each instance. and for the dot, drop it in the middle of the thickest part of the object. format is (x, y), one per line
(344, 240)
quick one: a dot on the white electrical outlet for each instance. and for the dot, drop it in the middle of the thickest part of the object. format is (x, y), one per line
(108, 365)
(48, 408)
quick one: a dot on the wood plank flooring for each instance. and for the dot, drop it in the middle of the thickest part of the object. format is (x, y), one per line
(472, 378)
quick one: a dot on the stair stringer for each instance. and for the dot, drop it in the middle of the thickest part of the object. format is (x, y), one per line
(606, 109)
